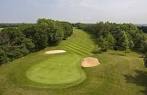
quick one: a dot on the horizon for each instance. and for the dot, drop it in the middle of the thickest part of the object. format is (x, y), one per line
(73, 22)
(74, 11)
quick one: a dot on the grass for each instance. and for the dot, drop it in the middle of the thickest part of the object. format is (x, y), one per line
(80, 43)
(57, 70)
(117, 74)
(43, 72)
(1, 29)
(66, 65)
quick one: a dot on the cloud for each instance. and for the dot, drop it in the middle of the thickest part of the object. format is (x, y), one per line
(75, 10)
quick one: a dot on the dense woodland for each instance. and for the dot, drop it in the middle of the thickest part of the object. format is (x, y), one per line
(19, 40)
(143, 28)
(4, 25)
(116, 36)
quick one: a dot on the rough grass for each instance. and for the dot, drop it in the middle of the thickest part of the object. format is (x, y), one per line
(117, 75)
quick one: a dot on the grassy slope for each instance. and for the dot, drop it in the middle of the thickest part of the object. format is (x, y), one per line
(117, 75)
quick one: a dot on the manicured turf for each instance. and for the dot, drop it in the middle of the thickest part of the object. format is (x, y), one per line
(80, 43)
(1, 29)
(117, 75)
(63, 69)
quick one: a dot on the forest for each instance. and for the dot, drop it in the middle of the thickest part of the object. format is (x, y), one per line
(19, 40)
(114, 36)
(143, 28)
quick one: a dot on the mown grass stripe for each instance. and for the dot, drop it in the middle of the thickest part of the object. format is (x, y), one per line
(84, 47)
(79, 50)
(75, 51)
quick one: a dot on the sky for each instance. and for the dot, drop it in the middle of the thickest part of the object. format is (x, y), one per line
(86, 11)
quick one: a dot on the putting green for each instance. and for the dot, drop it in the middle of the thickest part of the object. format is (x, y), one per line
(60, 69)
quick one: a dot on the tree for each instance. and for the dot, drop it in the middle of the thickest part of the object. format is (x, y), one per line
(124, 41)
(18, 41)
(67, 28)
(145, 60)
(38, 36)
(117, 36)
(3, 56)
(14, 44)
(103, 43)
(111, 40)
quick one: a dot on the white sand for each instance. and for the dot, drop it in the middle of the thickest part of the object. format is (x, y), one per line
(55, 51)
(90, 62)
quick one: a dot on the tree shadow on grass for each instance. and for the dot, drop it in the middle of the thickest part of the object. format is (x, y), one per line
(117, 53)
(140, 79)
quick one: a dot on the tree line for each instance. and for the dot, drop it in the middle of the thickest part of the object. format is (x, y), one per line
(5, 25)
(16, 42)
(143, 28)
(116, 36)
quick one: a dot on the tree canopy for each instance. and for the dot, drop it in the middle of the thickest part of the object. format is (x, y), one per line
(16, 42)
(116, 36)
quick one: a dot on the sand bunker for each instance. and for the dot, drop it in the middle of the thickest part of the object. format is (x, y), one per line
(90, 62)
(55, 51)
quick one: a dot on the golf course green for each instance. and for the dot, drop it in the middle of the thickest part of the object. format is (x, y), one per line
(1, 29)
(64, 69)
